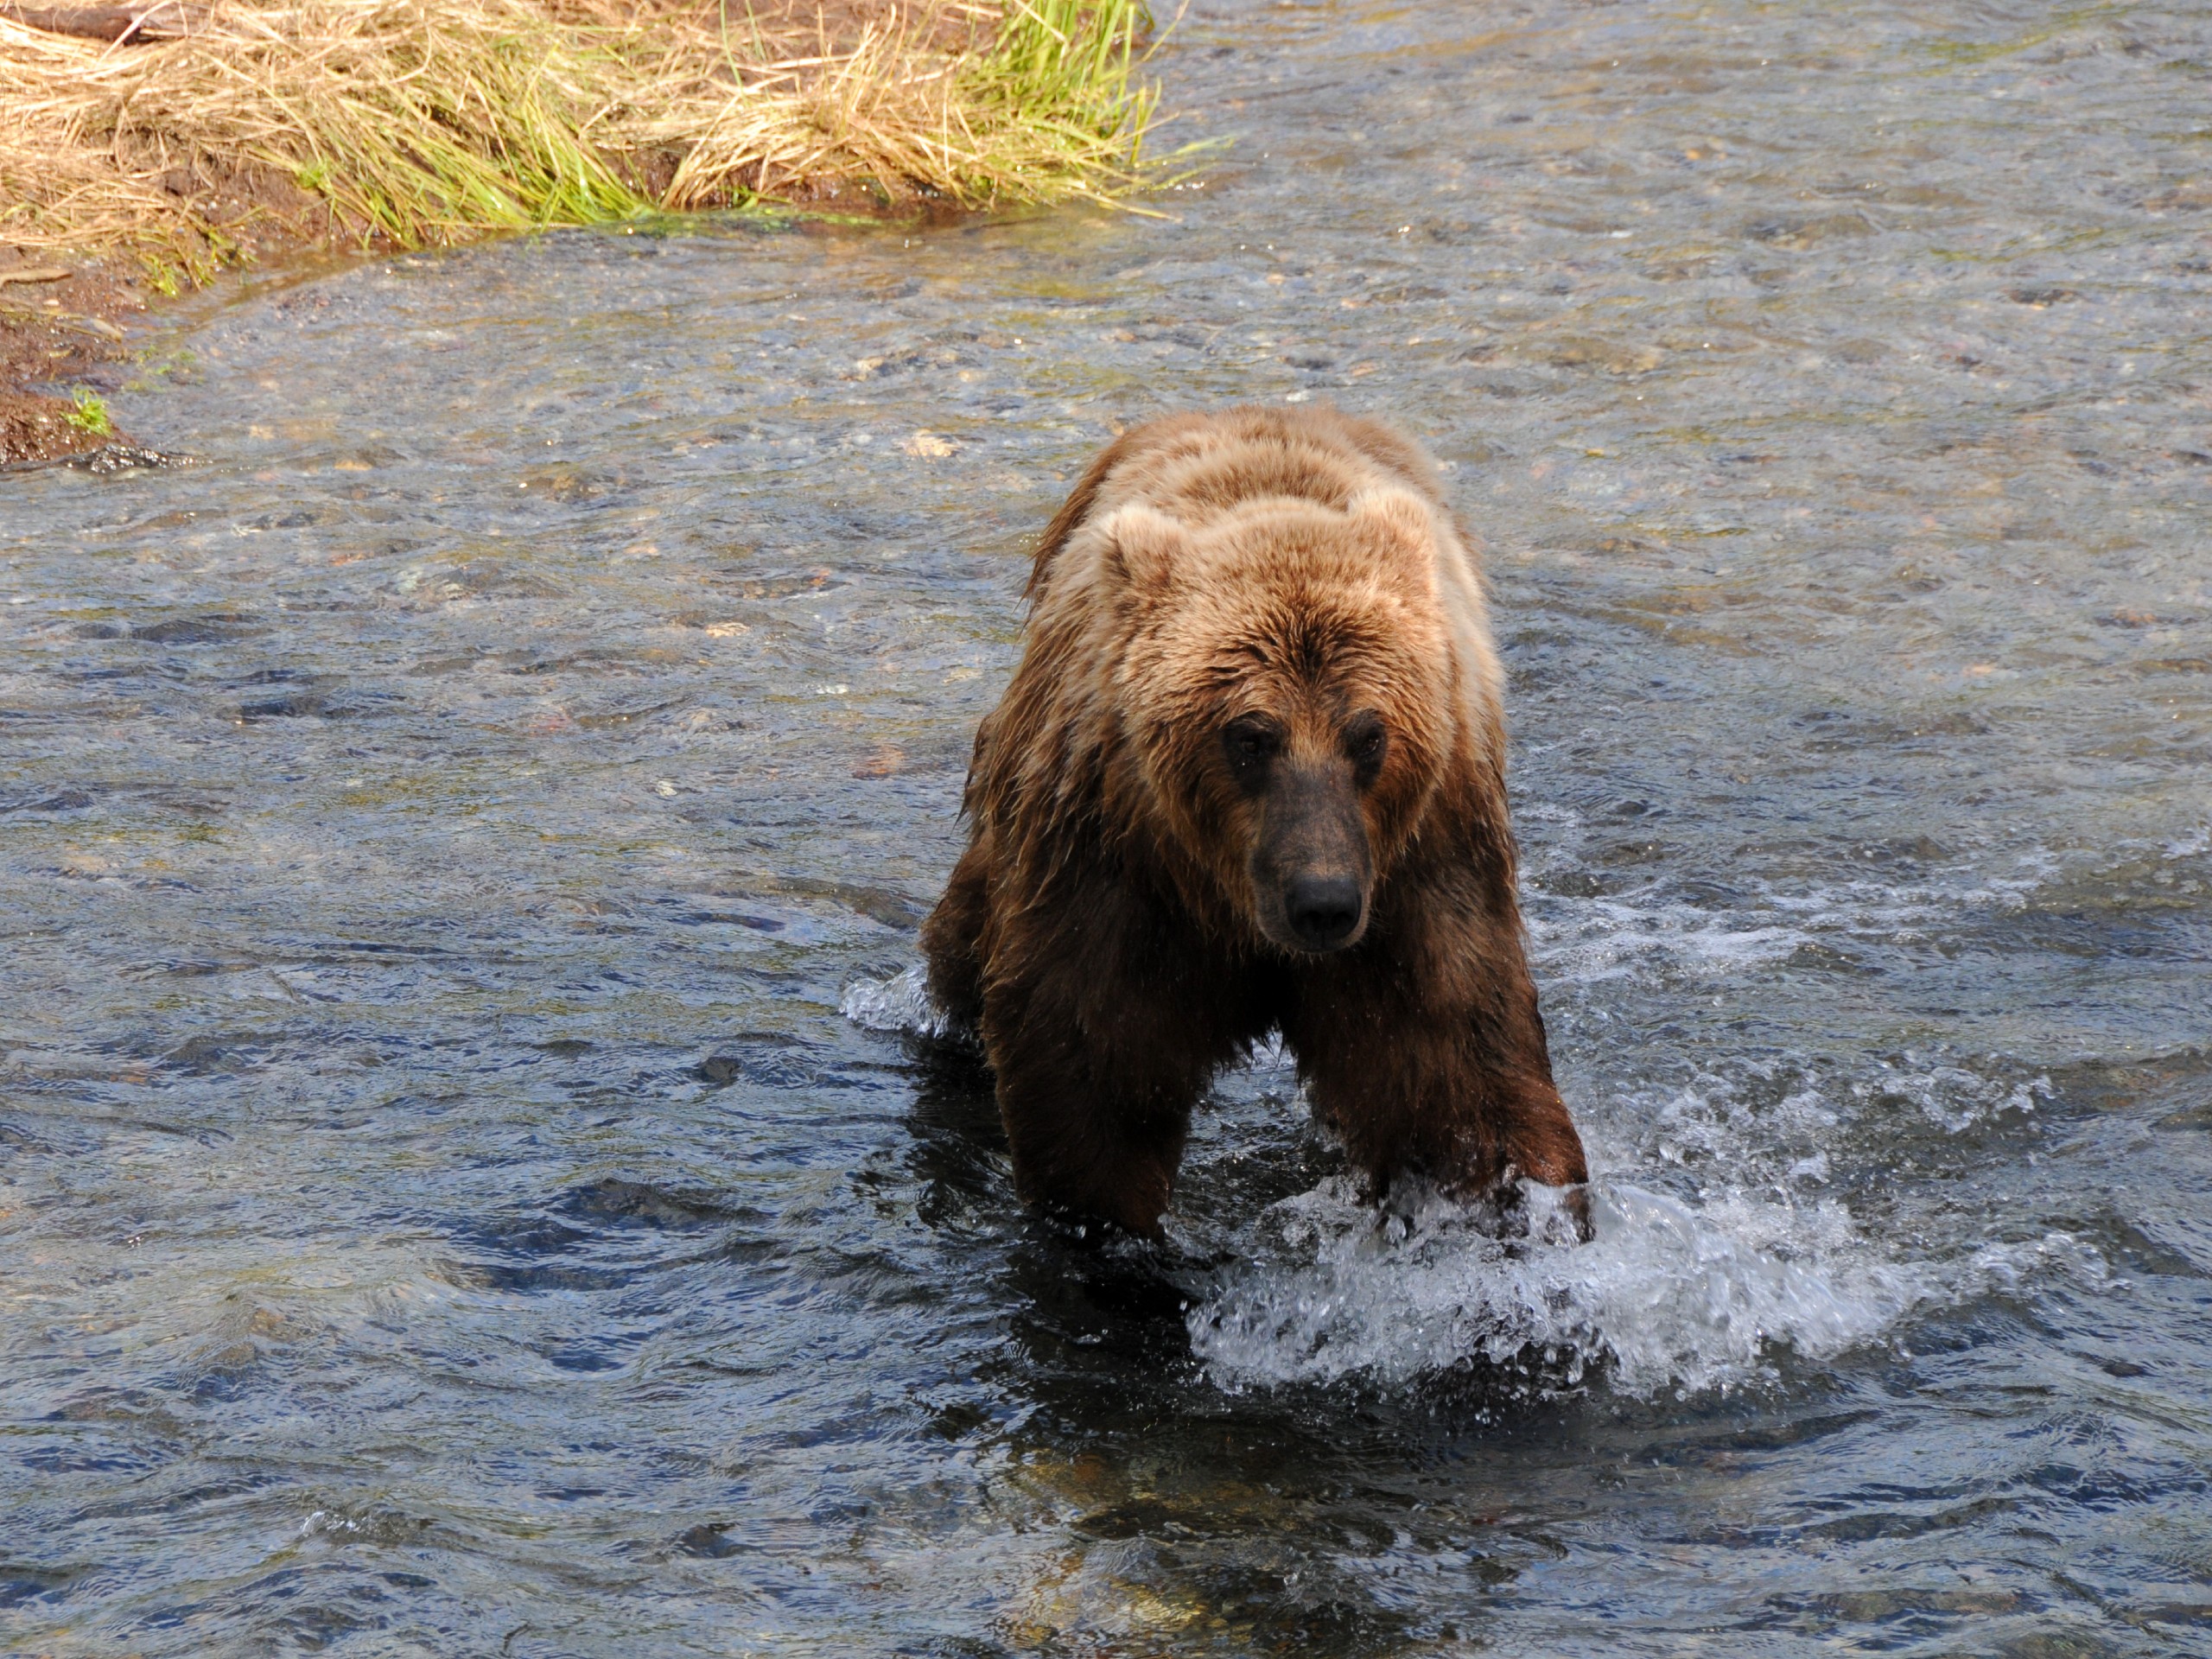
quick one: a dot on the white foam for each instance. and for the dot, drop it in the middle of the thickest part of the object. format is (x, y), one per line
(901, 1003)
(1668, 1294)
(2189, 846)
(1953, 1098)
(1587, 939)
(1717, 1250)
(1592, 939)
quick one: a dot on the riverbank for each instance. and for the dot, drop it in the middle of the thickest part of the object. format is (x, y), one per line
(60, 321)
(151, 147)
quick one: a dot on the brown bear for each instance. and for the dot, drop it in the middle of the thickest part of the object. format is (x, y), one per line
(1250, 776)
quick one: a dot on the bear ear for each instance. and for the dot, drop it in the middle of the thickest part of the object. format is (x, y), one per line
(1407, 523)
(1144, 546)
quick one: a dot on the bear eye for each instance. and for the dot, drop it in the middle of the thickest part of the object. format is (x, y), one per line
(1365, 741)
(1252, 741)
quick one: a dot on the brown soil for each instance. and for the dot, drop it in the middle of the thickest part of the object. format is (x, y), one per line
(33, 428)
(55, 331)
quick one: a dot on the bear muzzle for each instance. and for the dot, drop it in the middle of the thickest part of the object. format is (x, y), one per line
(1312, 869)
(1323, 912)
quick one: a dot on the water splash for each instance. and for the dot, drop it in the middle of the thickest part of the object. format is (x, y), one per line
(1667, 1295)
(1671, 1294)
(901, 1003)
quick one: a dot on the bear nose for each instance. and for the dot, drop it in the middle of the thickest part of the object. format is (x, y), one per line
(1323, 910)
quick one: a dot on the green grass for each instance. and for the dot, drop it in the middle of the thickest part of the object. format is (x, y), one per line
(473, 129)
(1064, 71)
(501, 130)
(88, 413)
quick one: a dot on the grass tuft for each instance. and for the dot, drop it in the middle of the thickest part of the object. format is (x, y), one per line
(429, 123)
(88, 413)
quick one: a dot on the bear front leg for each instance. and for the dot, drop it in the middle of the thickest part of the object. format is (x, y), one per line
(1090, 1143)
(952, 937)
(1425, 1049)
(1101, 1029)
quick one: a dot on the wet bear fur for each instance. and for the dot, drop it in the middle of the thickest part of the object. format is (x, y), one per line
(1250, 776)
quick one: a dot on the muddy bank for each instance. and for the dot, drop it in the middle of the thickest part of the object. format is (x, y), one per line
(62, 323)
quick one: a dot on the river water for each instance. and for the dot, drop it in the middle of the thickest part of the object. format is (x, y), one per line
(470, 1185)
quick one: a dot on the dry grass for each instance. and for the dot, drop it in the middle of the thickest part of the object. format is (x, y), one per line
(433, 123)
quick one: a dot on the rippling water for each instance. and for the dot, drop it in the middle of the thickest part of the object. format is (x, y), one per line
(447, 1211)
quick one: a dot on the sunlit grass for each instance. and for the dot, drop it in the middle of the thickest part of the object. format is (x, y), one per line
(88, 413)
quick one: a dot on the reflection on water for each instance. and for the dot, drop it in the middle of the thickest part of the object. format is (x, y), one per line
(446, 1211)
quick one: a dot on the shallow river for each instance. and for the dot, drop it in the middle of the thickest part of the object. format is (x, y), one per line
(468, 1187)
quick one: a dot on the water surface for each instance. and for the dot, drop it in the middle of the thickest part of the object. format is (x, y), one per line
(447, 1209)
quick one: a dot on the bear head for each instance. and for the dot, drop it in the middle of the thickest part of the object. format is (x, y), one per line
(1287, 688)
